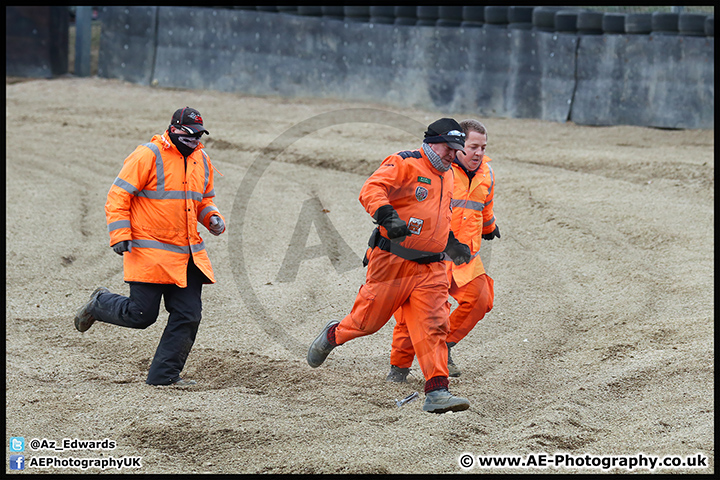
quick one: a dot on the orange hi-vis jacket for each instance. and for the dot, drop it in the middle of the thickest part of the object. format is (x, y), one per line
(156, 201)
(419, 193)
(472, 216)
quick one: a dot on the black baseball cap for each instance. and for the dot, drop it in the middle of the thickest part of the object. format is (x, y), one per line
(446, 130)
(189, 120)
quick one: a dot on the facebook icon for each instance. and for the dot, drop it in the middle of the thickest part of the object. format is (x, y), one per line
(17, 462)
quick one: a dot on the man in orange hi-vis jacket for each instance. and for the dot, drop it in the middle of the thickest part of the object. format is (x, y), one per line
(409, 197)
(473, 219)
(163, 191)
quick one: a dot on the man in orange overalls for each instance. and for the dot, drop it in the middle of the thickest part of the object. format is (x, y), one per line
(163, 191)
(473, 219)
(409, 197)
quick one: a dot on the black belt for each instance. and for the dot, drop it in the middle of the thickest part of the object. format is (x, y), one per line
(418, 256)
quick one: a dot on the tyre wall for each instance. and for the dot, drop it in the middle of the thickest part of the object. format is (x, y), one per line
(499, 69)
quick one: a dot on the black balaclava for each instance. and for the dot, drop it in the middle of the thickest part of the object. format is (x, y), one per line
(186, 144)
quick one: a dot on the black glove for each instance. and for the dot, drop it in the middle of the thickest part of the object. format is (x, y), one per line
(121, 247)
(493, 234)
(458, 251)
(397, 229)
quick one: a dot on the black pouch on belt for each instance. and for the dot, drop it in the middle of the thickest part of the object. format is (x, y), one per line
(372, 242)
(377, 240)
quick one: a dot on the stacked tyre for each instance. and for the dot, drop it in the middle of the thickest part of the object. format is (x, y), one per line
(287, 9)
(692, 24)
(520, 18)
(310, 11)
(450, 16)
(665, 23)
(405, 15)
(590, 23)
(354, 13)
(543, 18)
(382, 14)
(566, 21)
(427, 16)
(473, 16)
(613, 23)
(638, 23)
(336, 12)
(496, 17)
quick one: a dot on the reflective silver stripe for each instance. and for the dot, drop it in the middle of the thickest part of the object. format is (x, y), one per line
(118, 225)
(207, 172)
(211, 193)
(160, 193)
(197, 196)
(198, 247)
(128, 187)
(469, 204)
(492, 180)
(489, 222)
(475, 205)
(472, 205)
(170, 194)
(159, 169)
(168, 246)
(207, 210)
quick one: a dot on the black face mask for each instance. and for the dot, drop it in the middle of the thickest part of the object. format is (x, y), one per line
(186, 144)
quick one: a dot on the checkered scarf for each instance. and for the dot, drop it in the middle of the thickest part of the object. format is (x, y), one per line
(435, 158)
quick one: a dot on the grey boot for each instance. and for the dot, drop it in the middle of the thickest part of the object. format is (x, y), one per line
(184, 383)
(320, 348)
(453, 370)
(441, 401)
(397, 374)
(83, 317)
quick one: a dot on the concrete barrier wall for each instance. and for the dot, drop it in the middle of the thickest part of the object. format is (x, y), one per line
(652, 80)
(647, 80)
(128, 43)
(36, 41)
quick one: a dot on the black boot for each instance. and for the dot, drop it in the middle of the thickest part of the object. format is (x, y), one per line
(453, 370)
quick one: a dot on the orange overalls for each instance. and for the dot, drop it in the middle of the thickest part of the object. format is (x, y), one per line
(421, 195)
(472, 215)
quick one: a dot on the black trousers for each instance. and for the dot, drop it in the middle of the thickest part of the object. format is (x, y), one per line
(141, 309)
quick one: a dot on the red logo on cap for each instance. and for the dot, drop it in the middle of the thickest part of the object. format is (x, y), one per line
(196, 117)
